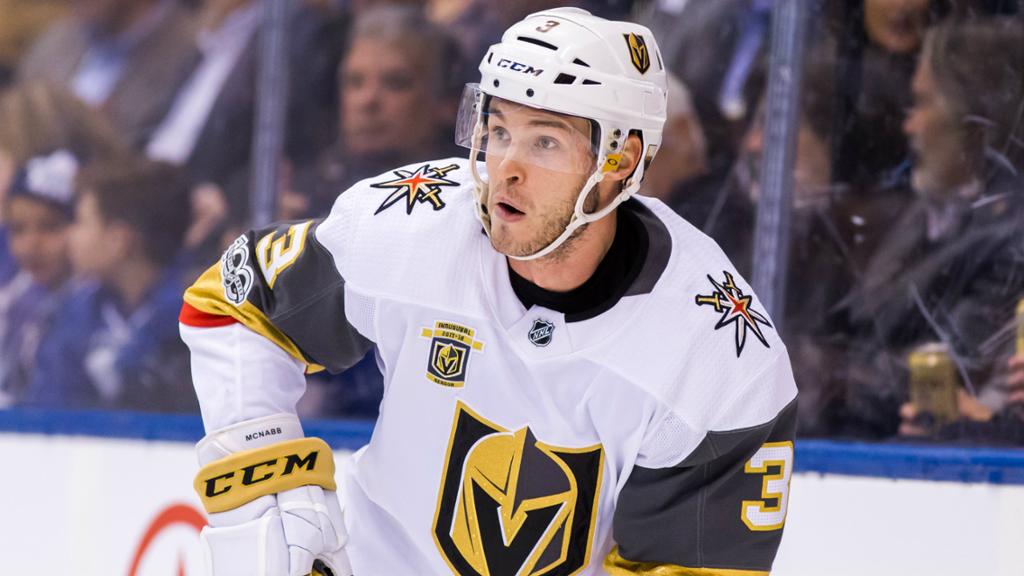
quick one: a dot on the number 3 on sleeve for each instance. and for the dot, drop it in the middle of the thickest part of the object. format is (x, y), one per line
(757, 514)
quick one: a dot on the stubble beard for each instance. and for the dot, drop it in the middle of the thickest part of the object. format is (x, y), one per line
(552, 226)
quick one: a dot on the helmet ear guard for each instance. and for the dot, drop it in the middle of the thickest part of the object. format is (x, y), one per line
(569, 62)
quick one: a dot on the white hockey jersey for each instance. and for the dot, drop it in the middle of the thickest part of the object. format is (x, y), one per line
(512, 440)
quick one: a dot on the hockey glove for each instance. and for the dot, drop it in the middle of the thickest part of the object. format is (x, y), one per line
(270, 497)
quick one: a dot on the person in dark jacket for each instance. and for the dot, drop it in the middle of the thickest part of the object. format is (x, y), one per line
(952, 268)
(126, 58)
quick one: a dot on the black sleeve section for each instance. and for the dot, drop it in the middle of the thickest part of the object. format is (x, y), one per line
(691, 514)
(307, 299)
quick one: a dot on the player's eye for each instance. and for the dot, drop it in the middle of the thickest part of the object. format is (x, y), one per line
(547, 143)
(497, 134)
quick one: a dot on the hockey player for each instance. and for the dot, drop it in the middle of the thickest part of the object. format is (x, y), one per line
(587, 388)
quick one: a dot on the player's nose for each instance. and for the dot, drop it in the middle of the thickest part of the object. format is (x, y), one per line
(511, 168)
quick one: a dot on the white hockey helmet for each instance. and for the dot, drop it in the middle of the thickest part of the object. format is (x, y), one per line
(568, 61)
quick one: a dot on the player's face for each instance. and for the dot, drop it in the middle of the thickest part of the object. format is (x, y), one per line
(537, 163)
(94, 249)
(38, 237)
(385, 99)
(936, 137)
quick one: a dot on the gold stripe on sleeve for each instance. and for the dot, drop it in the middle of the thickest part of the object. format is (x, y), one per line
(207, 295)
(616, 565)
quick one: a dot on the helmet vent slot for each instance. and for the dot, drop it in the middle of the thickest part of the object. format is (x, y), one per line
(540, 43)
(580, 62)
(587, 82)
(564, 78)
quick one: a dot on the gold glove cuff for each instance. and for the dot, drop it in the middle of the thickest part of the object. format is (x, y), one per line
(245, 476)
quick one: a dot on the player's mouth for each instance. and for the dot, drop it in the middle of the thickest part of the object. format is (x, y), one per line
(508, 212)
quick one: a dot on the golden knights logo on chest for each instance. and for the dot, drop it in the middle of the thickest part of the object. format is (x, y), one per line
(450, 347)
(510, 504)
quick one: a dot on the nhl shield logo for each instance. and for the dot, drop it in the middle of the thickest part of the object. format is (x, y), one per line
(541, 332)
(450, 348)
(638, 53)
(510, 503)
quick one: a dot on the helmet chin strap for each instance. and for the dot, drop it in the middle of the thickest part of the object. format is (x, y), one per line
(579, 218)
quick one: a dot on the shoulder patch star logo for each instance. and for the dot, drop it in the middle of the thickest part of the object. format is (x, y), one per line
(422, 186)
(736, 309)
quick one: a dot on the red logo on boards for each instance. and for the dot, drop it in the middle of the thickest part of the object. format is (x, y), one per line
(174, 515)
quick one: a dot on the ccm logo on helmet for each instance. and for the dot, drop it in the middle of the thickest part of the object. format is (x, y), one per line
(247, 475)
(519, 67)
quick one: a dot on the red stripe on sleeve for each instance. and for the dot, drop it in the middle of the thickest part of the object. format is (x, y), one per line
(196, 318)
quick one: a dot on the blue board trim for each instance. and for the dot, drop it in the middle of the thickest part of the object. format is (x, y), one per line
(912, 461)
(343, 434)
(908, 461)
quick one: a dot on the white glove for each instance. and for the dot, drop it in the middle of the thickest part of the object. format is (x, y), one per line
(274, 534)
(277, 535)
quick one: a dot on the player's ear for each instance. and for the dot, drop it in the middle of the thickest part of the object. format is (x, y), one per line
(628, 159)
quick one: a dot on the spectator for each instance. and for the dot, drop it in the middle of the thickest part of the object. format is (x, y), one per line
(209, 127)
(22, 21)
(896, 26)
(978, 420)
(36, 120)
(399, 90)
(115, 343)
(38, 210)
(728, 214)
(683, 149)
(717, 49)
(125, 57)
(400, 79)
(878, 46)
(824, 252)
(953, 266)
(476, 24)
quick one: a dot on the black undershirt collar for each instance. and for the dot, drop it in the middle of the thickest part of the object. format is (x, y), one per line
(613, 277)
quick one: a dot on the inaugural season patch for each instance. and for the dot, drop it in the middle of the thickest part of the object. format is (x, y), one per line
(450, 348)
(511, 504)
(736, 309)
(422, 186)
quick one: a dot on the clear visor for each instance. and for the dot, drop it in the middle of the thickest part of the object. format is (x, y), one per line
(498, 130)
